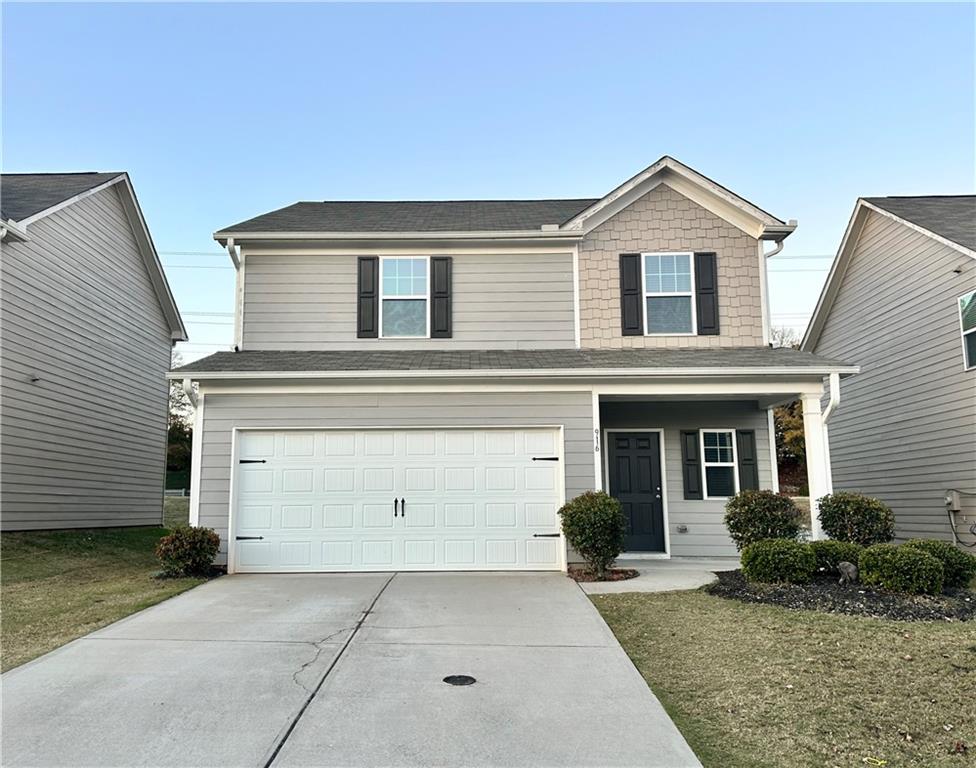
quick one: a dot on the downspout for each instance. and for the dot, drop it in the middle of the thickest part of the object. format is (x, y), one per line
(764, 277)
(831, 407)
(190, 394)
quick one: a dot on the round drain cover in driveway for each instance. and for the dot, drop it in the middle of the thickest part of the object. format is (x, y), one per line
(459, 680)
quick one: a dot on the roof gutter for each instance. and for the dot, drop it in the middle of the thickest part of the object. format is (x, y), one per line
(14, 231)
(530, 373)
(777, 233)
(228, 237)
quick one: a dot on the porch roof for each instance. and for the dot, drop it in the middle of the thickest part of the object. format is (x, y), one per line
(738, 361)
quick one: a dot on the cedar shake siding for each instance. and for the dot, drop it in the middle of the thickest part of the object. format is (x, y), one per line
(664, 220)
(905, 430)
(85, 350)
(497, 301)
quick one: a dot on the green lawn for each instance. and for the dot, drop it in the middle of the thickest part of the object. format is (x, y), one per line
(757, 685)
(59, 585)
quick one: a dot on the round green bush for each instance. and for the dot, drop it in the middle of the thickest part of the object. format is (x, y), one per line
(595, 527)
(778, 561)
(753, 516)
(849, 516)
(188, 551)
(959, 567)
(901, 569)
(829, 553)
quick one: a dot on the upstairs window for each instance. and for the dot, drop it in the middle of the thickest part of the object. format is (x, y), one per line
(967, 319)
(719, 463)
(669, 289)
(404, 297)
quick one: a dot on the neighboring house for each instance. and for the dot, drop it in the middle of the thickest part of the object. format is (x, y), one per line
(88, 323)
(901, 301)
(421, 385)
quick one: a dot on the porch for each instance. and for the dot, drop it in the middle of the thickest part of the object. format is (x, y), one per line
(673, 460)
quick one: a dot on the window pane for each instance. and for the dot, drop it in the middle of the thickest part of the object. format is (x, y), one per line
(405, 317)
(967, 310)
(718, 447)
(970, 339)
(404, 277)
(719, 481)
(669, 314)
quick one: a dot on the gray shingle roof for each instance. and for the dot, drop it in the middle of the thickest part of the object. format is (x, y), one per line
(24, 194)
(488, 360)
(951, 216)
(415, 216)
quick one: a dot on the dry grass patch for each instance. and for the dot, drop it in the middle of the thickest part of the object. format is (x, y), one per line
(757, 685)
(60, 585)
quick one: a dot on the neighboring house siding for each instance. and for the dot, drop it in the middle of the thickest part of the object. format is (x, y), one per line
(905, 430)
(664, 220)
(707, 535)
(500, 301)
(84, 445)
(224, 412)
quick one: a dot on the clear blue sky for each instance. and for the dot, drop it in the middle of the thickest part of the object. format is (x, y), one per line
(220, 112)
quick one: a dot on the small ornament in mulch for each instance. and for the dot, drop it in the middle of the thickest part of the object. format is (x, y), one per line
(826, 595)
(578, 573)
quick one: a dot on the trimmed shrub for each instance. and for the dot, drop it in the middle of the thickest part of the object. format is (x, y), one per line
(753, 516)
(959, 567)
(901, 569)
(849, 516)
(595, 527)
(188, 551)
(778, 561)
(829, 553)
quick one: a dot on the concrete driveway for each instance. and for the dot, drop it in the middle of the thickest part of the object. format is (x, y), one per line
(345, 670)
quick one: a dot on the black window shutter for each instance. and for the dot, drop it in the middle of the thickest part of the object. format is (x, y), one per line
(368, 305)
(706, 293)
(440, 297)
(631, 295)
(745, 445)
(690, 465)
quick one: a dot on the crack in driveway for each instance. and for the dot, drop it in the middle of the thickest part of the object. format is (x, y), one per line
(320, 645)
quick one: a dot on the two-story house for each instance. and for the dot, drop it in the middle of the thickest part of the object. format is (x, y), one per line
(901, 300)
(421, 385)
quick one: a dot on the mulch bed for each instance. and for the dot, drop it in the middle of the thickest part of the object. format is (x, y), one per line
(826, 595)
(614, 574)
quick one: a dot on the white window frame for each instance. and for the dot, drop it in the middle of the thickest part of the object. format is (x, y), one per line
(413, 297)
(734, 463)
(964, 333)
(648, 294)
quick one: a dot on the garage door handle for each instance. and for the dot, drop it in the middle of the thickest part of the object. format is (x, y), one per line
(545, 535)
(395, 507)
(247, 538)
(252, 461)
(545, 458)
(403, 507)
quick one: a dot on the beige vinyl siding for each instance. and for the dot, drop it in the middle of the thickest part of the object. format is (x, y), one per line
(905, 430)
(84, 445)
(223, 412)
(664, 220)
(707, 535)
(500, 301)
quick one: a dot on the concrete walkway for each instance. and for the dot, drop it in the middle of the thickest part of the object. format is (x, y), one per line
(665, 575)
(345, 670)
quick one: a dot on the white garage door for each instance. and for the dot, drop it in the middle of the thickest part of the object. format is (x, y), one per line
(377, 500)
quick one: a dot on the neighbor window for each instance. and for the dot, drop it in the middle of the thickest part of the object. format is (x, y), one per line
(668, 293)
(403, 311)
(967, 317)
(718, 460)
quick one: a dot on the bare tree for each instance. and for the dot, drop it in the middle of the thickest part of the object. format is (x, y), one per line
(784, 336)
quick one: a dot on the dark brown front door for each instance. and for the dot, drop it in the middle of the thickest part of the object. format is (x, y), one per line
(635, 481)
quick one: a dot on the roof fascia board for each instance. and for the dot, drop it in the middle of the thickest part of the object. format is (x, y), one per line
(530, 373)
(14, 231)
(841, 261)
(151, 258)
(686, 181)
(71, 200)
(920, 229)
(364, 239)
(837, 269)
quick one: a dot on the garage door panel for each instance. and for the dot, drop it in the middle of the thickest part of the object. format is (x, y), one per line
(324, 500)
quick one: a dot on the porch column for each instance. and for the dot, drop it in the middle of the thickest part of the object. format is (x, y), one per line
(818, 463)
